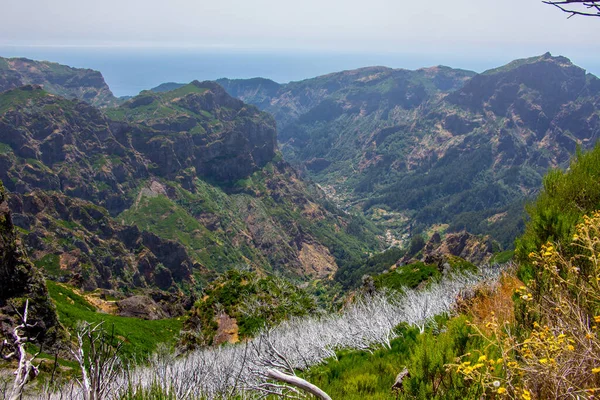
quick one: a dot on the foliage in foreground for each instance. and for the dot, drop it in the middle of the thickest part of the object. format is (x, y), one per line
(565, 198)
(554, 351)
(360, 375)
(295, 345)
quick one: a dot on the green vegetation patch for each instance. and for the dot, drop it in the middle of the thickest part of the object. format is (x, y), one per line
(17, 97)
(140, 336)
(255, 302)
(150, 105)
(359, 375)
(351, 274)
(5, 148)
(50, 264)
(565, 198)
(163, 217)
(407, 276)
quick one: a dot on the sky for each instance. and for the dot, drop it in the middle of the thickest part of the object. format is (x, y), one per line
(458, 33)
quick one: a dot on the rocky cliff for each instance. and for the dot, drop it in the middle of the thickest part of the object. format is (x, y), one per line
(22, 281)
(72, 83)
(163, 191)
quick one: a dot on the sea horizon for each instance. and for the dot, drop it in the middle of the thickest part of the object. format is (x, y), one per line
(128, 71)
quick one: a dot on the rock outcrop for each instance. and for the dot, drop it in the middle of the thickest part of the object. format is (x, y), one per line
(474, 249)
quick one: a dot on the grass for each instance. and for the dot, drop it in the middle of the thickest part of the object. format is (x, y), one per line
(165, 218)
(50, 264)
(171, 221)
(140, 336)
(502, 257)
(158, 105)
(359, 375)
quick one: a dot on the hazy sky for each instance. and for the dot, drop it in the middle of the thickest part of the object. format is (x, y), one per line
(476, 30)
(380, 25)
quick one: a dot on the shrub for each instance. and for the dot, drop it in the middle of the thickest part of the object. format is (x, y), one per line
(555, 350)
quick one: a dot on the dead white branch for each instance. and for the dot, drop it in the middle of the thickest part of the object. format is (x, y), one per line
(297, 382)
(25, 369)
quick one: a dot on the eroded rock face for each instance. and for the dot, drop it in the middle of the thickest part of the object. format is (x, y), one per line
(73, 83)
(187, 136)
(227, 331)
(150, 193)
(21, 281)
(140, 307)
(317, 261)
(474, 249)
(75, 234)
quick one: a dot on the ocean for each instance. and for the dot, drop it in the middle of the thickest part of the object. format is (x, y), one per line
(131, 70)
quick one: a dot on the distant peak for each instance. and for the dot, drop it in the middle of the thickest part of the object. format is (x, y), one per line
(210, 85)
(544, 58)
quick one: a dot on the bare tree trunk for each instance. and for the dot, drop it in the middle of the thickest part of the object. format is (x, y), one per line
(26, 369)
(298, 382)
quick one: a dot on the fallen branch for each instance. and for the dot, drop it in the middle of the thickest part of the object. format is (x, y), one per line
(297, 382)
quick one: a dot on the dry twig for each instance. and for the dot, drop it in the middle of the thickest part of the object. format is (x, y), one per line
(577, 7)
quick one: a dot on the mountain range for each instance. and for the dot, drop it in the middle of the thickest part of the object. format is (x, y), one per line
(436, 148)
(163, 192)
(159, 194)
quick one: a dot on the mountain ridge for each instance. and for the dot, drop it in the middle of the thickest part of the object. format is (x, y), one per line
(368, 142)
(164, 191)
(74, 83)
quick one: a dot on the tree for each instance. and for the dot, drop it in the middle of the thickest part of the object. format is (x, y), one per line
(577, 7)
(25, 370)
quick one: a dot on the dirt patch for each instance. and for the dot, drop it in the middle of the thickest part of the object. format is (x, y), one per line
(228, 330)
(317, 261)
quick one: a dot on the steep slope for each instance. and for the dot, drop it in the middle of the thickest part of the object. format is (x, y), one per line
(163, 191)
(21, 281)
(438, 147)
(72, 83)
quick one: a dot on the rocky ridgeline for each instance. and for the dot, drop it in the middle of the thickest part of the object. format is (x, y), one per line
(72, 83)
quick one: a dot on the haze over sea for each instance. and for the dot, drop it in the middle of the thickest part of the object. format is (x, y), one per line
(130, 70)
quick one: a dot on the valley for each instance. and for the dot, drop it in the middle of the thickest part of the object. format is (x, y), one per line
(306, 227)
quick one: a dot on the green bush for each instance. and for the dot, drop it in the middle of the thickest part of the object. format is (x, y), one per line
(407, 276)
(564, 199)
(255, 302)
(358, 375)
